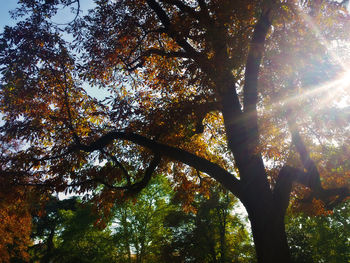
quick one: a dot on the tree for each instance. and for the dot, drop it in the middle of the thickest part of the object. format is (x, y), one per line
(82, 241)
(322, 238)
(47, 222)
(209, 234)
(65, 232)
(138, 226)
(197, 89)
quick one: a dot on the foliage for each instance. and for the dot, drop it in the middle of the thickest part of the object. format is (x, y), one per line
(66, 233)
(82, 241)
(15, 226)
(138, 225)
(153, 228)
(239, 91)
(323, 238)
(211, 234)
(47, 222)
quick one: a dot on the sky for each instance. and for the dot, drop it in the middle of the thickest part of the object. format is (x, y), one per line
(7, 5)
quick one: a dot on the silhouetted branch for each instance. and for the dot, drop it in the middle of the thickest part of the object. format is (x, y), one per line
(199, 163)
(308, 177)
(250, 89)
(129, 188)
(119, 164)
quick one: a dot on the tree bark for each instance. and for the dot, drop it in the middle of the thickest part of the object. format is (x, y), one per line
(266, 216)
(267, 224)
(269, 238)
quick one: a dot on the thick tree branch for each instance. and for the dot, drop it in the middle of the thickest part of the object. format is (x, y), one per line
(204, 9)
(241, 127)
(161, 14)
(288, 175)
(309, 178)
(283, 188)
(199, 163)
(314, 180)
(250, 89)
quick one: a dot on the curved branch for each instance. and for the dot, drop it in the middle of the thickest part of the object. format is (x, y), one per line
(129, 188)
(199, 163)
(139, 61)
(309, 178)
(137, 187)
(330, 197)
(119, 164)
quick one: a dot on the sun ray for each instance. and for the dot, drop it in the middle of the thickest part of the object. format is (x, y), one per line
(332, 90)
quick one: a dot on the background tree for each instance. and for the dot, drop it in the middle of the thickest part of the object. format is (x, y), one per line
(208, 234)
(197, 89)
(66, 232)
(153, 228)
(138, 225)
(47, 223)
(82, 241)
(322, 238)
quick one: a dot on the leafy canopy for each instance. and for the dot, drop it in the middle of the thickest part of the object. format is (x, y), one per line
(232, 90)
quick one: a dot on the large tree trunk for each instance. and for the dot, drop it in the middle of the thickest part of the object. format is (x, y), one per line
(269, 238)
(267, 224)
